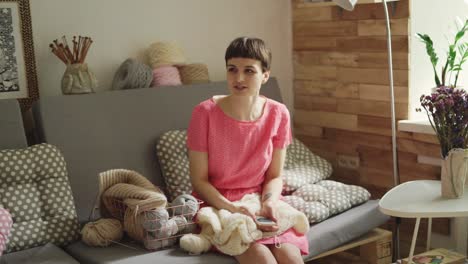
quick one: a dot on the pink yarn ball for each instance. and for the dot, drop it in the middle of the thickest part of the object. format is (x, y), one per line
(5, 228)
(166, 76)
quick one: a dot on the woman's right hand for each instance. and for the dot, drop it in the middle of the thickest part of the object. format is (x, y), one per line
(243, 210)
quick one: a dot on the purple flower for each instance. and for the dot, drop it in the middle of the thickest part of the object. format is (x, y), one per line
(448, 109)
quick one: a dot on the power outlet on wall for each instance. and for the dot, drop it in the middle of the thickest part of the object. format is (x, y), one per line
(349, 162)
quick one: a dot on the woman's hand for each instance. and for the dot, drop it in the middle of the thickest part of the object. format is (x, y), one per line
(269, 211)
(242, 210)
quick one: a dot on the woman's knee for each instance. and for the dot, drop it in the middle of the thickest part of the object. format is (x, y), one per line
(257, 253)
(287, 253)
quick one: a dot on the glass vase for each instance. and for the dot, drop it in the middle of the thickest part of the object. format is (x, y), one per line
(78, 79)
(454, 172)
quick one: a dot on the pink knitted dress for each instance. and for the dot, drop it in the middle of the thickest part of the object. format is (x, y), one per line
(239, 152)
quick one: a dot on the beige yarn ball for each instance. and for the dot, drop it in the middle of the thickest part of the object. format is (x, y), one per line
(102, 232)
(165, 53)
(194, 73)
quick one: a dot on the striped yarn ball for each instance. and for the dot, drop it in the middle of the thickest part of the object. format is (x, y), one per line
(132, 74)
(166, 76)
(165, 53)
(194, 73)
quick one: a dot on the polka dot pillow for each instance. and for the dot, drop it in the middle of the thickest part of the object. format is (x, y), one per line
(34, 188)
(326, 198)
(302, 167)
(172, 154)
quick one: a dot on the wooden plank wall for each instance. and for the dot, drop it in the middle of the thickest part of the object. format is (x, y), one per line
(342, 100)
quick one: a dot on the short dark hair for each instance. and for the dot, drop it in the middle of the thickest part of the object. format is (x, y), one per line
(251, 48)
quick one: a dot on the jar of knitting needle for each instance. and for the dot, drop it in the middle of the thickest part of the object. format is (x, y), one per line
(78, 77)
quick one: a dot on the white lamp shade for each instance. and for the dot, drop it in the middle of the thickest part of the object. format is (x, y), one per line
(346, 4)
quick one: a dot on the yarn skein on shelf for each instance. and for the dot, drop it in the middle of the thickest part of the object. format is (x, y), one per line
(194, 73)
(132, 74)
(165, 53)
(166, 76)
(102, 232)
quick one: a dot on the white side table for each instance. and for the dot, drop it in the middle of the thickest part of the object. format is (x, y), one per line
(422, 199)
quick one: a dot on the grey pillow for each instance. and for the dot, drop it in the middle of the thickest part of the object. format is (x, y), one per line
(172, 154)
(302, 167)
(34, 188)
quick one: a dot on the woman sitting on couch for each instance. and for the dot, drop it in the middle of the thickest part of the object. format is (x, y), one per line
(237, 145)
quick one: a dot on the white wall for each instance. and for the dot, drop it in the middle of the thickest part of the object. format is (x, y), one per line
(125, 28)
(437, 19)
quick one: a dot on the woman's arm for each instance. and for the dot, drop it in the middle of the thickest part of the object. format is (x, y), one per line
(273, 184)
(201, 185)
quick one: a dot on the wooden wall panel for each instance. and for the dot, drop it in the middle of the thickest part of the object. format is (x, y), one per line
(371, 76)
(376, 92)
(312, 13)
(326, 119)
(371, 108)
(373, 44)
(399, 27)
(325, 29)
(342, 99)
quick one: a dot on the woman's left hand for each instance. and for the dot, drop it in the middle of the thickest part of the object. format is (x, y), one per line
(269, 211)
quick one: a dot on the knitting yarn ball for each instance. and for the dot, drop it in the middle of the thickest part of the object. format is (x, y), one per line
(153, 217)
(132, 74)
(102, 232)
(185, 205)
(190, 227)
(194, 73)
(195, 244)
(153, 243)
(165, 229)
(166, 76)
(181, 222)
(165, 53)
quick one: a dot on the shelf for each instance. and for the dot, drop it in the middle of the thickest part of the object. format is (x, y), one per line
(308, 3)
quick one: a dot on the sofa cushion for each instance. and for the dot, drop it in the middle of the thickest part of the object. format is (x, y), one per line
(34, 188)
(173, 159)
(47, 254)
(302, 167)
(121, 254)
(326, 198)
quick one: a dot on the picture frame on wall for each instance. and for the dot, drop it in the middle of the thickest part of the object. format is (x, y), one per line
(18, 79)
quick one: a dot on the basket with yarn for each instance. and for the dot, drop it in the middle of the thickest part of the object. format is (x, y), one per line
(125, 195)
(163, 226)
(130, 198)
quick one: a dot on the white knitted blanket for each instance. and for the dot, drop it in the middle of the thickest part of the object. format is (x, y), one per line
(232, 233)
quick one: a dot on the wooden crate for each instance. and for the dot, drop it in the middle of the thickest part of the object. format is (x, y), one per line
(374, 248)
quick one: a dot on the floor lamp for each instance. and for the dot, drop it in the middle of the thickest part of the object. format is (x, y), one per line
(349, 5)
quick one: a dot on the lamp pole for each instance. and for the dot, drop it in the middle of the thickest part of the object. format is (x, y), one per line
(396, 177)
(349, 5)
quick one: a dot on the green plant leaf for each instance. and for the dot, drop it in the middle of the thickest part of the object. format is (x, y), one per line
(432, 54)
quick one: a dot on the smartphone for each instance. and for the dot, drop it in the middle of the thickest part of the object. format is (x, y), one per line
(263, 221)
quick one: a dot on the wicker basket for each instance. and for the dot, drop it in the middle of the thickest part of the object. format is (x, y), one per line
(124, 195)
(138, 222)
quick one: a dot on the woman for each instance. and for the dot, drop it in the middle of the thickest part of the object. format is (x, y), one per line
(237, 145)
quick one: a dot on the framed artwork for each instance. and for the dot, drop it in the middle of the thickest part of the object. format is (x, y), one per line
(18, 78)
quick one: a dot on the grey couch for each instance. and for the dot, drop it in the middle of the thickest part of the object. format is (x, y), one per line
(119, 129)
